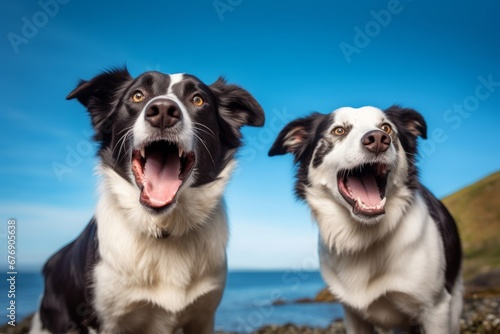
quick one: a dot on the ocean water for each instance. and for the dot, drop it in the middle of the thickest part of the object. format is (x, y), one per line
(246, 304)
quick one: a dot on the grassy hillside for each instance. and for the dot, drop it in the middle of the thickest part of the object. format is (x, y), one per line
(476, 209)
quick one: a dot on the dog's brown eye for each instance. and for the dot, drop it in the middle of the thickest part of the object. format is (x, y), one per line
(386, 128)
(339, 131)
(138, 96)
(198, 101)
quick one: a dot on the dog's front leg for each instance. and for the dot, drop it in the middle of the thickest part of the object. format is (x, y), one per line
(204, 324)
(200, 316)
(438, 318)
(355, 324)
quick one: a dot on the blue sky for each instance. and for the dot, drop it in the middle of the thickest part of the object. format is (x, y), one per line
(295, 57)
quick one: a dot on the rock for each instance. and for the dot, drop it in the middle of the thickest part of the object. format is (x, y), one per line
(484, 285)
(279, 302)
(325, 296)
(481, 315)
(22, 327)
(304, 301)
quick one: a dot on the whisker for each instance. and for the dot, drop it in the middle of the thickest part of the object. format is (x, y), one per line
(123, 140)
(204, 131)
(208, 151)
(209, 132)
(120, 145)
(126, 129)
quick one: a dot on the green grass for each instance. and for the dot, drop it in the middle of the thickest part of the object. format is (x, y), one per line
(476, 208)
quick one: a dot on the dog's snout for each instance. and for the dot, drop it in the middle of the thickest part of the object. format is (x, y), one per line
(376, 141)
(163, 113)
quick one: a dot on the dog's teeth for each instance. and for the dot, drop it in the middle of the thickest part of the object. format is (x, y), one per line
(381, 204)
(143, 152)
(181, 151)
(364, 206)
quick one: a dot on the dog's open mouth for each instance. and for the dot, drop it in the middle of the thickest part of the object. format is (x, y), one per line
(160, 168)
(364, 188)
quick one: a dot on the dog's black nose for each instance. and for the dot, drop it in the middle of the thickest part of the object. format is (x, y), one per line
(163, 113)
(376, 141)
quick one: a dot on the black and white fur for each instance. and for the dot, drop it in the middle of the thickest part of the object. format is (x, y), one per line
(152, 260)
(394, 261)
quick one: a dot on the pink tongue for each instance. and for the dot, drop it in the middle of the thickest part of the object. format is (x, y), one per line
(365, 187)
(161, 180)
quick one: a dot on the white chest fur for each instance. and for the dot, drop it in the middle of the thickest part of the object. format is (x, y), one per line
(407, 264)
(170, 273)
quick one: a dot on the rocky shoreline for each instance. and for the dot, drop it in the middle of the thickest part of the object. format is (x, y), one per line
(481, 314)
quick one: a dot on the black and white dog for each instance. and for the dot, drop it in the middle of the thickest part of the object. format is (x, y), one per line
(153, 258)
(389, 250)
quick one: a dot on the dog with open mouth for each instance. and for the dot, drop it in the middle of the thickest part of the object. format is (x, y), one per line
(153, 258)
(389, 250)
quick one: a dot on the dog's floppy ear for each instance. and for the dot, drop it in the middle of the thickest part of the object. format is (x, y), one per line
(408, 119)
(410, 125)
(99, 96)
(296, 136)
(237, 107)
